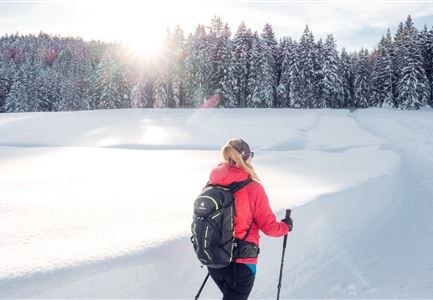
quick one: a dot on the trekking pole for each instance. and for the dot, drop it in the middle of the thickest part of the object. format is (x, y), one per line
(202, 286)
(288, 211)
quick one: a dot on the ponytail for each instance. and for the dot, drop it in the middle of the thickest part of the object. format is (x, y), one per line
(232, 157)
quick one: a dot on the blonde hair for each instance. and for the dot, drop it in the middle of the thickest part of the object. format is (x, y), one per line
(232, 157)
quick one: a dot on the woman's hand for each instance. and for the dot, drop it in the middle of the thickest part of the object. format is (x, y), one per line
(289, 223)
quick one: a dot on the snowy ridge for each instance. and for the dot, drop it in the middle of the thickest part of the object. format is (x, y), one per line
(113, 234)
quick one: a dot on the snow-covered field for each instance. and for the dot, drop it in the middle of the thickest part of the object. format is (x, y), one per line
(99, 204)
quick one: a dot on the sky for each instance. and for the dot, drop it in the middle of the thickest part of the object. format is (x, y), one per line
(142, 24)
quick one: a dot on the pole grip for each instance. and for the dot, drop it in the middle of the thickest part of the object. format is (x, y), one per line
(288, 212)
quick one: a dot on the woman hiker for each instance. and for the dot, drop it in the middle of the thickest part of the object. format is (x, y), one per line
(253, 213)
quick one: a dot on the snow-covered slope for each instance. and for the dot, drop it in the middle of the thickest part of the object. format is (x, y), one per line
(98, 204)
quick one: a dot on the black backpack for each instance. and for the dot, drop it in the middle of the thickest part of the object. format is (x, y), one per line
(212, 228)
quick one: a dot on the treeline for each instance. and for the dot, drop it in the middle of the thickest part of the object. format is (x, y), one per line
(212, 68)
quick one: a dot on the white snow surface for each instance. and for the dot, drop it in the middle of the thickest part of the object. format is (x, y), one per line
(98, 204)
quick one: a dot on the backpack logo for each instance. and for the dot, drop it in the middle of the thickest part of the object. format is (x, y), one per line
(202, 206)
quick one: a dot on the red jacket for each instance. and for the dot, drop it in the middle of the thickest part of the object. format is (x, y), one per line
(251, 203)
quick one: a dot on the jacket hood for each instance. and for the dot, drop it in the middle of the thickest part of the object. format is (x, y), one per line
(225, 174)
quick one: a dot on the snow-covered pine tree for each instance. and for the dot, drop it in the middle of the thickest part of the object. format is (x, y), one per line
(261, 76)
(5, 79)
(4, 91)
(178, 42)
(84, 74)
(332, 82)
(307, 71)
(69, 99)
(426, 43)
(280, 90)
(241, 57)
(346, 74)
(374, 83)
(319, 64)
(397, 59)
(17, 99)
(198, 67)
(34, 66)
(149, 71)
(412, 86)
(169, 85)
(281, 94)
(138, 92)
(63, 66)
(430, 42)
(48, 82)
(163, 85)
(295, 79)
(82, 79)
(9, 67)
(48, 92)
(162, 92)
(108, 91)
(287, 52)
(219, 36)
(382, 74)
(72, 73)
(268, 37)
(228, 94)
(21, 97)
(362, 80)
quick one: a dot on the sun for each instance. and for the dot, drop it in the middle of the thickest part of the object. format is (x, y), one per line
(145, 45)
(141, 25)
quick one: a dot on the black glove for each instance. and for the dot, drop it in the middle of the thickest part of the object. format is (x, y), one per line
(289, 223)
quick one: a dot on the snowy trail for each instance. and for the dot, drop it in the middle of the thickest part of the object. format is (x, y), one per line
(409, 225)
(347, 176)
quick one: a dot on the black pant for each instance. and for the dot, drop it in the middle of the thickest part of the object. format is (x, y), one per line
(235, 282)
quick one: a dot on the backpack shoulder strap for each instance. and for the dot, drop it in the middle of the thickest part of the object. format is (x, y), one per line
(248, 231)
(208, 184)
(236, 186)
